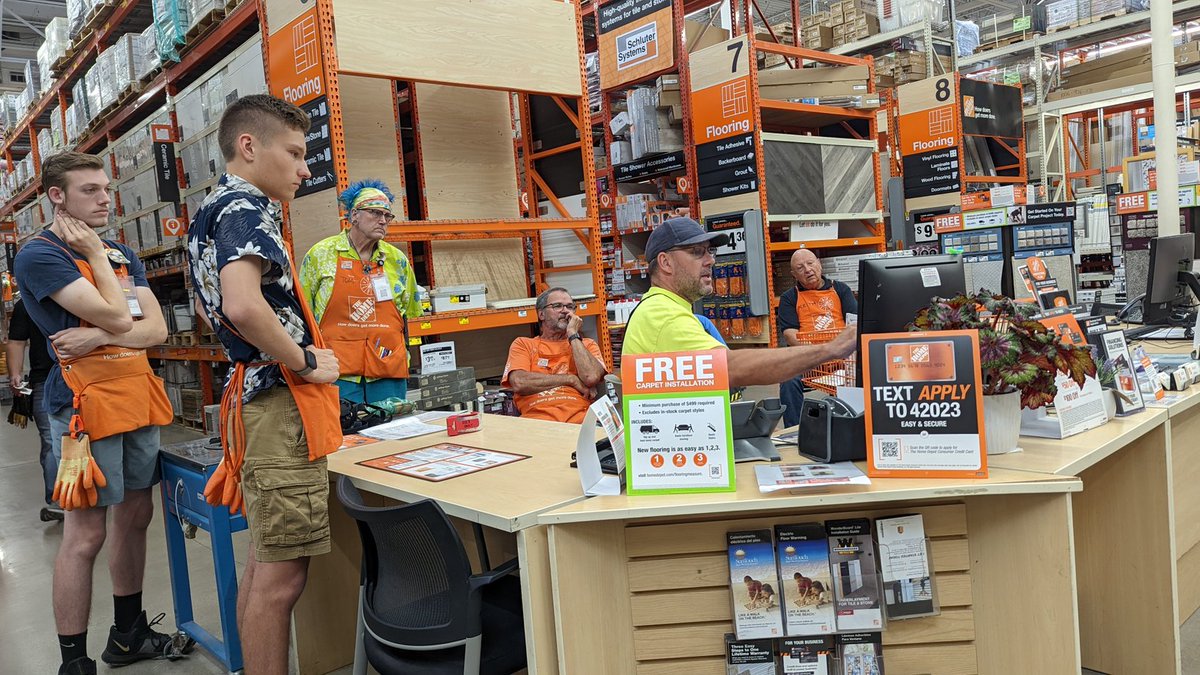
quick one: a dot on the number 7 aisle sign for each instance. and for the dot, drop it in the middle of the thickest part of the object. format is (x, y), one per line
(924, 411)
(678, 436)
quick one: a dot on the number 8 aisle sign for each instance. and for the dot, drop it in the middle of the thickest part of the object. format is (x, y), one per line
(678, 436)
(924, 411)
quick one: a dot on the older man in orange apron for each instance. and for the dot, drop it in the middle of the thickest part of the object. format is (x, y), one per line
(91, 298)
(362, 290)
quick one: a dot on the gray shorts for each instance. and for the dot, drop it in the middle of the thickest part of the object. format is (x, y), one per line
(129, 461)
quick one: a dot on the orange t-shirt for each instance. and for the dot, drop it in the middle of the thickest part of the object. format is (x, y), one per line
(549, 357)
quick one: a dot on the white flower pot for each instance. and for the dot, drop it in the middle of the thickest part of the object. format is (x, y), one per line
(1002, 422)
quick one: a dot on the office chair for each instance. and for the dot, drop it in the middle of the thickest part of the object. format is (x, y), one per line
(420, 610)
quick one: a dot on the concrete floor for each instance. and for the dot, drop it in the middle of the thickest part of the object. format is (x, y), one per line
(27, 548)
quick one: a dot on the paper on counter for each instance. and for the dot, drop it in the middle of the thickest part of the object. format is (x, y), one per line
(776, 477)
(405, 427)
(593, 479)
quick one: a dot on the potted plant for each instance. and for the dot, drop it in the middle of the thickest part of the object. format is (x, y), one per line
(1018, 356)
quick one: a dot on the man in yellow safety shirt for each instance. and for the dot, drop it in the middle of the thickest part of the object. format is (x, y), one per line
(362, 291)
(680, 256)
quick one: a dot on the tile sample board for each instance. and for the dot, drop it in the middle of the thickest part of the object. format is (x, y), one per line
(809, 175)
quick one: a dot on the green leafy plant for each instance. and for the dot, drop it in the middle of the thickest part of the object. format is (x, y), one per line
(1016, 352)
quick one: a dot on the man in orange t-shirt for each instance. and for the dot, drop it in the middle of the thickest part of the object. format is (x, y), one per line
(554, 376)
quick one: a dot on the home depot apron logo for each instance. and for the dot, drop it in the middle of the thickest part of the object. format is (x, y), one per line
(362, 310)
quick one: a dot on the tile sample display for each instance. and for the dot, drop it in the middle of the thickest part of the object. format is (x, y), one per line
(810, 175)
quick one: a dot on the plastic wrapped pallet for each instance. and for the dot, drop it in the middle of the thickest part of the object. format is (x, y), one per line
(170, 23)
(122, 63)
(76, 13)
(213, 97)
(1065, 13)
(44, 62)
(896, 14)
(57, 39)
(57, 132)
(146, 58)
(45, 143)
(199, 9)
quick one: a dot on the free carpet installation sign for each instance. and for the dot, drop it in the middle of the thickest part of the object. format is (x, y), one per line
(637, 38)
(678, 435)
(924, 405)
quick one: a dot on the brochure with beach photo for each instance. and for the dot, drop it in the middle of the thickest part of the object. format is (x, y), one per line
(754, 582)
(806, 587)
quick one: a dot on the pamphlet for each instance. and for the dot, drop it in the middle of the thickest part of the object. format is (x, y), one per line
(406, 427)
(594, 480)
(749, 657)
(904, 560)
(805, 583)
(442, 461)
(860, 653)
(1063, 324)
(776, 477)
(755, 583)
(356, 440)
(806, 655)
(1115, 350)
(1147, 376)
(1076, 409)
(855, 578)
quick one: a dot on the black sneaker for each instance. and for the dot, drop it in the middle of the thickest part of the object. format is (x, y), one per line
(142, 642)
(80, 666)
(51, 513)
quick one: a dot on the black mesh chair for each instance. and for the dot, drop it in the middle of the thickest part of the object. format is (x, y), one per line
(420, 610)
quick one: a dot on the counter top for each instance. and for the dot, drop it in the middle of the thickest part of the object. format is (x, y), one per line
(747, 499)
(1070, 456)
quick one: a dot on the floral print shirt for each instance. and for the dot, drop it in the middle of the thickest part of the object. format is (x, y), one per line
(237, 220)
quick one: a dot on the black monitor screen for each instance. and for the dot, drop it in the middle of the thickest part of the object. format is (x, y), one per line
(1169, 255)
(892, 290)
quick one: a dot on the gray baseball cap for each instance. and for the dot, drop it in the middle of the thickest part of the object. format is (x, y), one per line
(676, 232)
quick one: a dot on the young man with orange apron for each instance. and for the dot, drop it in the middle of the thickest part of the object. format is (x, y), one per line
(362, 291)
(279, 411)
(815, 303)
(105, 405)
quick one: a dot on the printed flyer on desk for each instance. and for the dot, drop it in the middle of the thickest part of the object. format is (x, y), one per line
(924, 412)
(678, 434)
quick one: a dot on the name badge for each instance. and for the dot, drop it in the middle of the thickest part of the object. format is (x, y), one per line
(131, 299)
(383, 289)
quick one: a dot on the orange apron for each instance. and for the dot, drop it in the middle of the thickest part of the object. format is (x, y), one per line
(320, 414)
(366, 334)
(115, 389)
(819, 310)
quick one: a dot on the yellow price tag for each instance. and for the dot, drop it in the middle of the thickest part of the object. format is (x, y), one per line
(426, 325)
(464, 321)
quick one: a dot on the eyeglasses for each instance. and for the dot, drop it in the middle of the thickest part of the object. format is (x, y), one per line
(697, 250)
(561, 305)
(376, 213)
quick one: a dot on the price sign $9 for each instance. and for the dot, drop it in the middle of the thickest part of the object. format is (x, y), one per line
(924, 232)
(736, 244)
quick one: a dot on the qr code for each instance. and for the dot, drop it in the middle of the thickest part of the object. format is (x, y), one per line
(714, 470)
(889, 449)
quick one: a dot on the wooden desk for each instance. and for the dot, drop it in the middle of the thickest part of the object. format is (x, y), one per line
(641, 584)
(506, 499)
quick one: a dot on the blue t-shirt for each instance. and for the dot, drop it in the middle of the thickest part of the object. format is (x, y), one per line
(236, 221)
(41, 269)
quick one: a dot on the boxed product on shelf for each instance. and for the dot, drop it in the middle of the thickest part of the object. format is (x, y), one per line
(33, 77)
(245, 75)
(9, 115)
(146, 53)
(198, 10)
(131, 235)
(75, 125)
(149, 231)
(171, 24)
(458, 298)
(79, 101)
(896, 14)
(24, 101)
(818, 37)
(123, 51)
(57, 40)
(58, 136)
(195, 162)
(1065, 13)
(77, 11)
(1105, 8)
(45, 143)
(212, 97)
(798, 83)
(1121, 69)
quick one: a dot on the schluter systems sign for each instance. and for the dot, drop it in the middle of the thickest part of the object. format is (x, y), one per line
(636, 39)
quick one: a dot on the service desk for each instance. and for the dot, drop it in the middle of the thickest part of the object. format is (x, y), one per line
(1138, 517)
(640, 584)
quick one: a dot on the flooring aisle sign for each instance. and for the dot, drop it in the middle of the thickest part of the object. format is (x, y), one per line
(924, 410)
(296, 74)
(678, 436)
(723, 120)
(929, 138)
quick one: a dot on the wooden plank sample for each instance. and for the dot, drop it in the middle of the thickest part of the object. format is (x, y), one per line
(372, 144)
(470, 173)
(515, 45)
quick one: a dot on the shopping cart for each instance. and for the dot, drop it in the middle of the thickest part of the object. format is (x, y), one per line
(828, 376)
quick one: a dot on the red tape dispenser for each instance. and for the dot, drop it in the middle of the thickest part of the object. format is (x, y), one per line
(463, 423)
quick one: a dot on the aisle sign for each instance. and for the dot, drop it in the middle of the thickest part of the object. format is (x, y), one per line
(636, 38)
(924, 410)
(294, 66)
(678, 435)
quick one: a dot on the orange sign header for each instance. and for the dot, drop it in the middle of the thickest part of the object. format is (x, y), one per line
(674, 372)
(928, 130)
(722, 111)
(1133, 202)
(294, 60)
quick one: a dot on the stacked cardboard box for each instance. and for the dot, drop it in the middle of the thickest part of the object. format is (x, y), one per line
(651, 127)
(846, 84)
(441, 390)
(846, 21)
(1122, 69)
(907, 66)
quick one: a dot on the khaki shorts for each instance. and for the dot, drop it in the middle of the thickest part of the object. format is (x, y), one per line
(286, 495)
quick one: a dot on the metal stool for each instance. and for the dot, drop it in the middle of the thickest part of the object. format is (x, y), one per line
(186, 468)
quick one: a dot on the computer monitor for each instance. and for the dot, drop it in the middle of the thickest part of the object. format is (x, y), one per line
(892, 290)
(1165, 288)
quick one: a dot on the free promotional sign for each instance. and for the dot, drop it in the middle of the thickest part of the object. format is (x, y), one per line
(924, 411)
(636, 39)
(678, 436)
